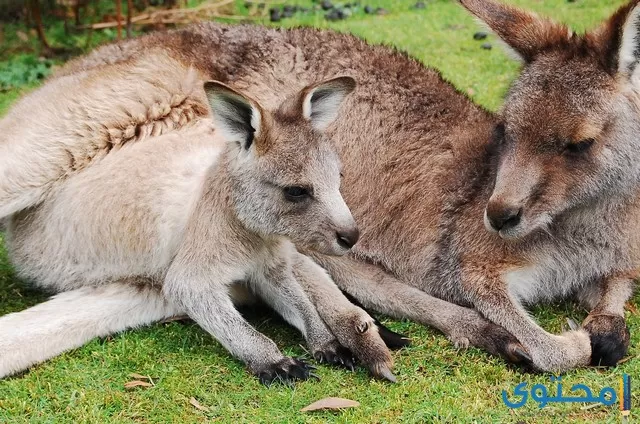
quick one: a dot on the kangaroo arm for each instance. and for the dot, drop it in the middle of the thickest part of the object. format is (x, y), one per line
(378, 290)
(353, 327)
(549, 352)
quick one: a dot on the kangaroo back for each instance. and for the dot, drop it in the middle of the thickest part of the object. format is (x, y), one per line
(101, 111)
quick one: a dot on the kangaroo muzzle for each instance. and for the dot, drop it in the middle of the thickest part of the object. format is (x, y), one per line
(502, 216)
(516, 181)
(348, 238)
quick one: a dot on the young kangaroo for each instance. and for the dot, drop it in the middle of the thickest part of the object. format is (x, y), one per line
(185, 222)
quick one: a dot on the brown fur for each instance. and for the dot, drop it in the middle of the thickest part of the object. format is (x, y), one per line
(422, 164)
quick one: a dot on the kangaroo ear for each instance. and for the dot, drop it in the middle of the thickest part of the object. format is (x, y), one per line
(618, 42)
(321, 102)
(628, 20)
(524, 33)
(237, 117)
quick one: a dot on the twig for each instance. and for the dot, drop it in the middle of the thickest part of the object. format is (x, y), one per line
(35, 11)
(174, 16)
(129, 13)
(119, 18)
(102, 25)
(266, 2)
(591, 406)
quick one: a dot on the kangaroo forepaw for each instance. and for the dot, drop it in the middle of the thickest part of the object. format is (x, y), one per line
(609, 336)
(358, 332)
(372, 351)
(336, 355)
(286, 371)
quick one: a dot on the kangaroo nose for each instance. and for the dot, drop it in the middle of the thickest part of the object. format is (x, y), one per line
(348, 238)
(503, 217)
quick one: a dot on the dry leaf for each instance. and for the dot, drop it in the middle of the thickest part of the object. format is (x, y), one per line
(193, 401)
(139, 376)
(623, 360)
(332, 403)
(137, 383)
(22, 36)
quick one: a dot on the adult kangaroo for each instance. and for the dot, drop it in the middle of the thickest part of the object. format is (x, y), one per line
(466, 216)
(538, 203)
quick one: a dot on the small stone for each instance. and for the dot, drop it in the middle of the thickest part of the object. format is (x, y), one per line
(486, 46)
(287, 11)
(275, 15)
(420, 5)
(335, 15)
(326, 5)
(480, 35)
(346, 13)
(368, 9)
(381, 11)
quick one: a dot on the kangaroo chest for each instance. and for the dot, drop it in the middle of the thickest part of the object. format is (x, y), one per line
(567, 260)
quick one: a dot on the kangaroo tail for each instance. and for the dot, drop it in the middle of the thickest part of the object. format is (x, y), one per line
(71, 319)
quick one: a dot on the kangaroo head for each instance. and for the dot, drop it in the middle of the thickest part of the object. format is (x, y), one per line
(569, 125)
(284, 172)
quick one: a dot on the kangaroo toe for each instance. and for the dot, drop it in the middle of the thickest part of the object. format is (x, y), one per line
(393, 340)
(286, 371)
(337, 355)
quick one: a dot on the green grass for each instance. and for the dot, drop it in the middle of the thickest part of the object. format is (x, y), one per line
(437, 383)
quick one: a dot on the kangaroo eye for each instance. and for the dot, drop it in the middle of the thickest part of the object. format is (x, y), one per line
(579, 147)
(296, 193)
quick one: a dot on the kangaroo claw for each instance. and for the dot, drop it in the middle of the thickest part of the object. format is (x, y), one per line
(392, 339)
(285, 372)
(523, 355)
(382, 371)
(340, 356)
